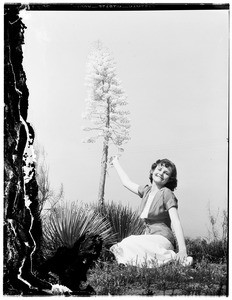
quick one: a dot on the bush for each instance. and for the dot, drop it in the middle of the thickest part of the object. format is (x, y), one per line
(123, 220)
(67, 222)
(214, 251)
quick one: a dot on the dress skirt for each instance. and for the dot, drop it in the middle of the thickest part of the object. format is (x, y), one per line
(144, 250)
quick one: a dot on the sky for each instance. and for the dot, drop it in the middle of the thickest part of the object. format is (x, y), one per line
(174, 69)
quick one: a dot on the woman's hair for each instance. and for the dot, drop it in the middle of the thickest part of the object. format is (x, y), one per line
(172, 182)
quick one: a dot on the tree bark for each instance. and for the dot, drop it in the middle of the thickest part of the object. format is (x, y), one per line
(104, 160)
(22, 227)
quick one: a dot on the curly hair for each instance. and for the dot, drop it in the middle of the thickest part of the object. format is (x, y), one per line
(172, 182)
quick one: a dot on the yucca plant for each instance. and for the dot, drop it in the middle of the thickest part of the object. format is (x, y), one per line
(67, 222)
(123, 220)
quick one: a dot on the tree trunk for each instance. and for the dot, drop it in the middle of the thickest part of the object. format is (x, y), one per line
(104, 161)
(101, 191)
(22, 227)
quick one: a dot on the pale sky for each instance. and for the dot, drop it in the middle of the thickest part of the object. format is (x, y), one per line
(174, 69)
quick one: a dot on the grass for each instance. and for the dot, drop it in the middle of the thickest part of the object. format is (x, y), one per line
(204, 278)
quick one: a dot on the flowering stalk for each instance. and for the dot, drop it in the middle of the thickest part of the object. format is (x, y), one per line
(105, 107)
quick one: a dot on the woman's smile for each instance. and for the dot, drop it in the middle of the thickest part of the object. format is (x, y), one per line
(161, 174)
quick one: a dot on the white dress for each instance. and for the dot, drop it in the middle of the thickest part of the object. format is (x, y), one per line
(144, 250)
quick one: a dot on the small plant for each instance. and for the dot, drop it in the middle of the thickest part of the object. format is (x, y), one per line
(214, 251)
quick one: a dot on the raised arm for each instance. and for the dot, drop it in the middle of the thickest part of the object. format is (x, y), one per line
(176, 224)
(133, 187)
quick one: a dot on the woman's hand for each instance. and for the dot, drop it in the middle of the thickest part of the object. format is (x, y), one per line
(184, 259)
(113, 159)
(181, 255)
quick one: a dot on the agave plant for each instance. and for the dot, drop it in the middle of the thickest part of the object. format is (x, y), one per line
(123, 220)
(67, 222)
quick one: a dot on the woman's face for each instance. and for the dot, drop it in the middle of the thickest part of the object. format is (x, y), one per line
(161, 175)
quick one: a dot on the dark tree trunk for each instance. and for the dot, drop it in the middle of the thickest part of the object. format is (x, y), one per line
(22, 225)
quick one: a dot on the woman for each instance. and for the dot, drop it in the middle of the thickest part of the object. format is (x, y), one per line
(159, 211)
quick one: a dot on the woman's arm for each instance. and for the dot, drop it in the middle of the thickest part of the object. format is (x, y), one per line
(176, 224)
(133, 187)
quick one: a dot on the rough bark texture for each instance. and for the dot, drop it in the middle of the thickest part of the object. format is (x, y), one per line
(21, 222)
